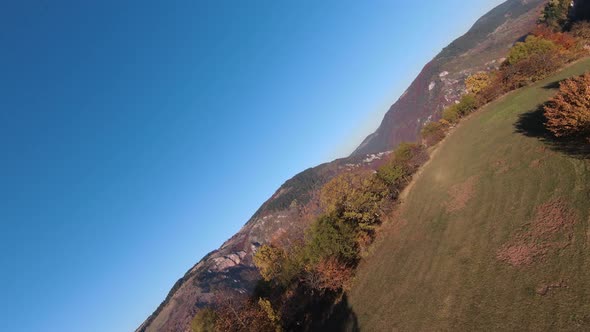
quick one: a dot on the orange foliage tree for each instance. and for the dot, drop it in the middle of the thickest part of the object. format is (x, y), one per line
(568, 113)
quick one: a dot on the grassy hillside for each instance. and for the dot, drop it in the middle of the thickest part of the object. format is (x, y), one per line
(493, 235)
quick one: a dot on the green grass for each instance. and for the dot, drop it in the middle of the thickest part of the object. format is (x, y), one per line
(432, 270)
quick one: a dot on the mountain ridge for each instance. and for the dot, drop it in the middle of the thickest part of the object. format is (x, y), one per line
(291, 208)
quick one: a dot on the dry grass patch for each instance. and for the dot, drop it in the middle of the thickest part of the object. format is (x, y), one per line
(461, 194)
(551, 230)
(545, 288)
(536, 163)
(501, 166)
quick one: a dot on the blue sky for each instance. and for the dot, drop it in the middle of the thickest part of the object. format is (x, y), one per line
(138, 136)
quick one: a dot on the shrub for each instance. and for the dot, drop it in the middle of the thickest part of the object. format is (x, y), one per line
(581, 30)
(451, 114)
(405, 152)
(478, 82)
(561, 39)
(530, 61)
(330, 236)
(493, 90)
(432, 133)
(532, 45)
(467, 104)
(329, 274)
(270, 262)
(204, 320)
(395, 175)
(355, 197)
(236, 315)
(568, 113)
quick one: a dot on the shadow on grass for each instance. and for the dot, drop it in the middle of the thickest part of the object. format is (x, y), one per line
(552, 86)
(342, 318)
(532, 124)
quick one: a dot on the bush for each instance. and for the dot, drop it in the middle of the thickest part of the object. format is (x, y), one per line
(432, 133)
(493, 90)
(355, 197)
(531, 61)
(581, 30)
(467, 104)
(405, 152)
(395, 175)
(532, 45)
(568, 113)
(329, 237)
(204, 321)
(236, 315)
(478, 82)
(270, 261)
(396, 172)
(561, 39)
(328, 275)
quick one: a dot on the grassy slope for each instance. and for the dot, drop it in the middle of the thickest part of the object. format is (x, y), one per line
(434, 270)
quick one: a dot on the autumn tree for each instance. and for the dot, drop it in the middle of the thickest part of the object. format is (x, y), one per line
(568, 113)
(565, 40)
(329, 274)
(478, 82)
(236, 314)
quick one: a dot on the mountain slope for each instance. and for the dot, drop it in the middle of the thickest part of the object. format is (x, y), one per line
(441, 81)
(492, 236)
(230, 270)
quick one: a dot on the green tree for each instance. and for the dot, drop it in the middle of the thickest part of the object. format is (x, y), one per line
(355, 197)
(270, 261)
(531, 46)
(331, 236)
(555, 14)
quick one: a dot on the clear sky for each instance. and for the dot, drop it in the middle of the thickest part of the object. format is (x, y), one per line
(136, 137)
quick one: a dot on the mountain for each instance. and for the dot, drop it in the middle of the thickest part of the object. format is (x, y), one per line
(285, 215)
(441, 81)
(493, 234)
